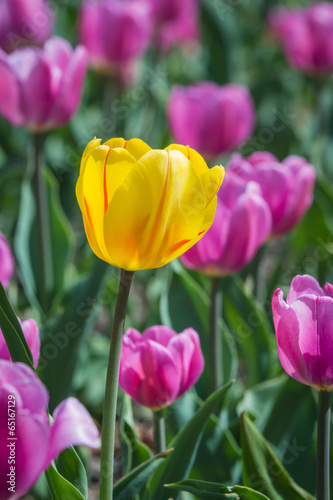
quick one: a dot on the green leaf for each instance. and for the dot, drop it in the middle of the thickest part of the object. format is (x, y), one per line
(60, 487)
(185, 303)
(69, 465)
(12, 332)
(291, 432)
(262, 470)
(134, 452)
(26, 238)
(65, 332)
(205, 490)
(250, 328)
(178, 465)
(128, 486)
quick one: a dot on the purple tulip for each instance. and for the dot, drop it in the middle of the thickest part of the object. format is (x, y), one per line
(37, 442)
(24, 22)
(177, 22)
(6, 260)
(306, 36)
(115, 32)
(286, 187)
(158, 366)
(211, 119)
(304, 331)
(242, 223)
(31, 333)
(40, 89)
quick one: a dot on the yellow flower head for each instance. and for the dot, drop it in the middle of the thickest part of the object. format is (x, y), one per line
(142, 207)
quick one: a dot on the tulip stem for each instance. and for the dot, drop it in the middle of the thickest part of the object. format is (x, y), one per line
(111, 390)
(216, 334)
(159, 431)
(323, 445)
(44, 241)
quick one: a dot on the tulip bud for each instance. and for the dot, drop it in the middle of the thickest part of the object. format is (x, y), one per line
(115, 32)
(306, 35)
(6, 261)
(31, 333)
(177, 22)
(241, 225)
(210, 118)
(24, 22)
(304, 331)
(160, 365)
(40, 89)
(286, 187)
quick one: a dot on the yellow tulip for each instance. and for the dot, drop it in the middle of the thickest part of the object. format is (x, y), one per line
(142, 207)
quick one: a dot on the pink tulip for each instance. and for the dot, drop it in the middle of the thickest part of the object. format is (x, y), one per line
(211, 119)
(304, 331)
(6, 260)
(37, 442)
(31, 333)
(286, 187)
(158, 366)
(40, 89)
(177, 22)
(115, 32)
(24, 22)
(241, 225)
(306, 36)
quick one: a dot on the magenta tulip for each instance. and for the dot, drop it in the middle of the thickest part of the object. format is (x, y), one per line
(158, 366)
(24, 22)
(177, 22)
(286, 187)
(306, 36)
(115, 32)
(40, 89)
(242, 223)
(304, 331)
(31, 333)
(211, 119)
(24, 398)
(6, 261)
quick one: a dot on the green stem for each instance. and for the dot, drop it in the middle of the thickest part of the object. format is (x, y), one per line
(216, 334)
(44, 241)
(159, 431)
(111, 390)
(323, 445)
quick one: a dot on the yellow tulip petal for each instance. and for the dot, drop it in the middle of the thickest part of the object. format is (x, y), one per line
(211, 182)
(118, 165)
(91, 239)
(197, 160)
(89, 148)
(137, 148)
(104, 172)
(117, 142)
(160, 204)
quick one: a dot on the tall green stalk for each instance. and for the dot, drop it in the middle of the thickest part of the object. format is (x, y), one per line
(159, 431)
(111, 390)
(216, 334)
(44, 242)
(323, 445)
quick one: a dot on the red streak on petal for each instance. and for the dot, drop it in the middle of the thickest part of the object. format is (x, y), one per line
(89, 215)
(178, 245)
(125, 144)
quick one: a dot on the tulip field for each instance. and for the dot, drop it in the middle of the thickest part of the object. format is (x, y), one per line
(166, 249)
